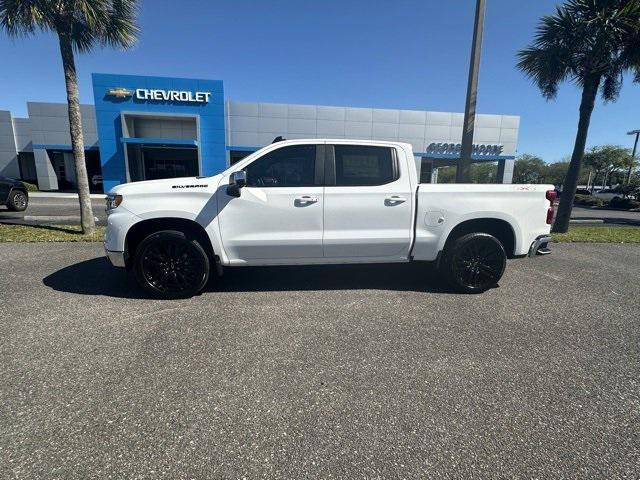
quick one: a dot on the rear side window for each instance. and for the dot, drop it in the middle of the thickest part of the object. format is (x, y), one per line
(293, 166)
(359, 165)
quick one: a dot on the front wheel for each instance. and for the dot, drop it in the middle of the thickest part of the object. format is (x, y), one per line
(17, 201)
(167, 264)
(475, 262)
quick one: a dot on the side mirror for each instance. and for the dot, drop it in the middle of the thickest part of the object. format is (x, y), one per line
(237, 180)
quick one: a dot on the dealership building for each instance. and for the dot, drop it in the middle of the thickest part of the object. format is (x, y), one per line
(143, 128)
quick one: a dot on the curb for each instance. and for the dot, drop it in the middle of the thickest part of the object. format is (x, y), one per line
(586, 220)
(54, 218)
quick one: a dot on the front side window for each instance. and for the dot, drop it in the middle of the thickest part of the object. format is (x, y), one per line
(359, 165)
(292, 166)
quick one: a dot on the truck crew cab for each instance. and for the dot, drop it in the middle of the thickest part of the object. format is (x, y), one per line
(303, 202)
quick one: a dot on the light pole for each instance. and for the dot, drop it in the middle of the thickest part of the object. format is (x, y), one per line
(633, 155)
(464, 162)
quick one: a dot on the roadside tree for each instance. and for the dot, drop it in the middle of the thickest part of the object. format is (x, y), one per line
(607, 160)
(528, 169)
(80, 26)
(591, 43)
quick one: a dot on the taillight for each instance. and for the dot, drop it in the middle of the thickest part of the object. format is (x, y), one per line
(551, 196)
(550, 213)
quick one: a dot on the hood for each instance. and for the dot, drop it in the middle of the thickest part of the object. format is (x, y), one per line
(167, 185)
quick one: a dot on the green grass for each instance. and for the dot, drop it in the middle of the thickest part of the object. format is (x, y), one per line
(586, 234)
(48, 233)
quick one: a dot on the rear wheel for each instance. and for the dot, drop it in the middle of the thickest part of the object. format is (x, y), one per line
(168, 264)
(475, 262)
(17, 201)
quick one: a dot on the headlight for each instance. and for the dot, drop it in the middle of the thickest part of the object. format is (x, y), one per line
(113, 201)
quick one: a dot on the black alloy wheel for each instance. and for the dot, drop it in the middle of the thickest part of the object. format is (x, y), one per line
(17, 201)
(168, 264)
(476, 262)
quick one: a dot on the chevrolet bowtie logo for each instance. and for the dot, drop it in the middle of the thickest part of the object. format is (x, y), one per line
(119, 92)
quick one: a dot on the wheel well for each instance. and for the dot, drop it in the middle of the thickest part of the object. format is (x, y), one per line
(500, 229)
(20, 189)
(143, 229)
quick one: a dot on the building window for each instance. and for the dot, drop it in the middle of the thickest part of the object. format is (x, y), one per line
(236, 155)
(27, 164)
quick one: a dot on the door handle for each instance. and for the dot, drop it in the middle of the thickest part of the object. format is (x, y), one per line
(394, 200)
(305, 200)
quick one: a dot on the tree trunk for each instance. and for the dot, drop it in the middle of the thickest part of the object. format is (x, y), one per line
(75, 129)
(589, 93)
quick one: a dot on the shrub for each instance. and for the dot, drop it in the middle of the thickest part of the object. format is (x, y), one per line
(626, 203)
(30, 187)
(589, 201)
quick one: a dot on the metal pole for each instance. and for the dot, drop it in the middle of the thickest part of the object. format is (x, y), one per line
(463, 174)
(633, 155)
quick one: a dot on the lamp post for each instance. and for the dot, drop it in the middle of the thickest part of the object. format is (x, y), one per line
(633, 155)
(463, 174)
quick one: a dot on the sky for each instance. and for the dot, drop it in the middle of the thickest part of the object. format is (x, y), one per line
(384, 54)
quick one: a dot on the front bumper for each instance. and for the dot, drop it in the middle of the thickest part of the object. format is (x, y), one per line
(539, 246)
(116, 258)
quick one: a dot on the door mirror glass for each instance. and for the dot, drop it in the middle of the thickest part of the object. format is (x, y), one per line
(237, 180)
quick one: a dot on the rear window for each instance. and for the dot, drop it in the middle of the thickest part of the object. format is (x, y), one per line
(359, 165)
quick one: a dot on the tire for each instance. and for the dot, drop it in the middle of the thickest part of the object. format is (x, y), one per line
(474, 263)
(17, 201)
(168, 264)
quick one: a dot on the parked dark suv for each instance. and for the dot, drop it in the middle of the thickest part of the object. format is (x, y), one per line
(13, 194)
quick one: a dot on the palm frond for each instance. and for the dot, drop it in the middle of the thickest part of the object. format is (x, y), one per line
(611, 85)
(87, 22)
(20, 17)
(585, 39)
(121, 29)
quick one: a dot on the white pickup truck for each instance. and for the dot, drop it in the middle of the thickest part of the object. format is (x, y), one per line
(303, 202)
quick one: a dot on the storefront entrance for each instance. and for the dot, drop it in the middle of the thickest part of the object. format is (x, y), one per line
(63, 164)
(156, 162)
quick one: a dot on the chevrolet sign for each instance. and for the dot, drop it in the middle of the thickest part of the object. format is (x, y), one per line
(119, 92)
(148, 94)
(172, 95)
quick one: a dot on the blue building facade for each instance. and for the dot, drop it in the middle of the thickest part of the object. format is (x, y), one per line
(138, 118)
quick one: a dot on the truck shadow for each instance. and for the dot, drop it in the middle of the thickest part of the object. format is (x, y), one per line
(98, 278)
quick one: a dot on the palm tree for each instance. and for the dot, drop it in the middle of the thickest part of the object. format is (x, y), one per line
(80, 25)
(592, 43)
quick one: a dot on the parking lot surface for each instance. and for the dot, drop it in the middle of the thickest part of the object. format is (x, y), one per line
(345, 372)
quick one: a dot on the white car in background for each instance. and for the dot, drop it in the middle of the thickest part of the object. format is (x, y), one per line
(607, 194)
(304, 202)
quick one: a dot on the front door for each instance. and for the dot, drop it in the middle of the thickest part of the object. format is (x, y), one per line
(368, 210)
(278, 215)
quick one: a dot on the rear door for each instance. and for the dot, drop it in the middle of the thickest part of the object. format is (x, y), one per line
(368, 208)
(278, 216)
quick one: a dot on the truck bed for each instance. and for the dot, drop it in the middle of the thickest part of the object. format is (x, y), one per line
(442, 207)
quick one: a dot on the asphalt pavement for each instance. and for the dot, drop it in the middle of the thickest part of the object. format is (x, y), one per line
(57, 210)
(320, 372)
(604, 216)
